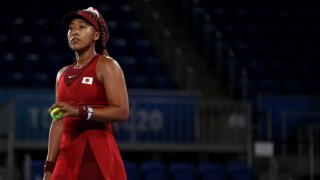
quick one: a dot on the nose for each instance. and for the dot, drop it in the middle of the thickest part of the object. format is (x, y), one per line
(73, 32)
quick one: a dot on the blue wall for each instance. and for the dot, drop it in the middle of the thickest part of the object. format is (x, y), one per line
(157, 116)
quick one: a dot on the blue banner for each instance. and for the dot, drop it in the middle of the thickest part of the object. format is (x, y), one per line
(155, 116)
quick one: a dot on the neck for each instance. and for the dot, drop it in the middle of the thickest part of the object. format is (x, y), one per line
(82, 62)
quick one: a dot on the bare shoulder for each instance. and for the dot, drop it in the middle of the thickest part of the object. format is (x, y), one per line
(107, 62)
(61, 71)
(108, 67)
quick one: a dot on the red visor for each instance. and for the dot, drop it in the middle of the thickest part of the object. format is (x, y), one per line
(82, 14)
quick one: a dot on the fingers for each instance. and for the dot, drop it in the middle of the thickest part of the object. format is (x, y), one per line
(56, 111)
(68, 109)
(59, 105)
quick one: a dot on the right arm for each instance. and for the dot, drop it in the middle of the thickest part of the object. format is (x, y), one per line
(54, 135)
(53, 144)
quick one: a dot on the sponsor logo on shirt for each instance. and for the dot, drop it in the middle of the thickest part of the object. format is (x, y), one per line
(87, 80)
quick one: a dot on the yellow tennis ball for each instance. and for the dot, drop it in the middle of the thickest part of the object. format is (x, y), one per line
(55, 115)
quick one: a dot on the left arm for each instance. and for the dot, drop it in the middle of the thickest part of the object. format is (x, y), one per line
(111, 75)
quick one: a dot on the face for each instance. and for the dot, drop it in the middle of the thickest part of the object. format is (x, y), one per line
(81, 35)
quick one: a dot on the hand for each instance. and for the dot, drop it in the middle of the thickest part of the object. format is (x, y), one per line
(69, 110)
(47, 176)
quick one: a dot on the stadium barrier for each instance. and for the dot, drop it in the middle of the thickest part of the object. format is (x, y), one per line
(171, 121)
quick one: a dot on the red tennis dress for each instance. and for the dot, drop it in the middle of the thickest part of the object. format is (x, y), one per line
(88, 149)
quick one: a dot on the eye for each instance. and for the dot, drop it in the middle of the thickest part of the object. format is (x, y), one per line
(71, 26)
(82, 26)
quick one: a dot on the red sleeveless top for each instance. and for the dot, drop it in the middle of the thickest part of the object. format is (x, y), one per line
(82, 87)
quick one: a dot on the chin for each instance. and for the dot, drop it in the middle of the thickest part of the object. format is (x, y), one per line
(75, 48)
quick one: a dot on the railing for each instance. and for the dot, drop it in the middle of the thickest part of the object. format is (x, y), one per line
(310, 136)
(226, 124)
(7, 139)
(301, 131)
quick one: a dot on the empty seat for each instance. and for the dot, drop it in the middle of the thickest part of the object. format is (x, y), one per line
(182, 171)
(38, 80)
(239, 171)
(24, 44)
(29, 63)
(132, 170)
(257, 69)
(7, 63)
(129, 65)
(132, 30)
(46, 43)
(119, 47)
(138, 82)
(4, 39)
(12, 79)
(122, 12)
(113, 29)
(211, 171)
(104, 9)
(162, 82)
(40, 26)
(143, 48)
(153, 170)
(313, 87)
(16, 26)
(53, 62)
(33, 39)
(152, 66)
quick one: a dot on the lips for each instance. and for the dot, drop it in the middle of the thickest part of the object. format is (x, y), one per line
(74, 40)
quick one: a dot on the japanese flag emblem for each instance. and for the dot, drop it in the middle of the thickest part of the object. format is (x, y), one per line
(87, 80)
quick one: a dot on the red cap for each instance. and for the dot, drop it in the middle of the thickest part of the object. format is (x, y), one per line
(90, 15)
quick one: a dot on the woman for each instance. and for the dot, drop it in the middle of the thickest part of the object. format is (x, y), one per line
(92, 94)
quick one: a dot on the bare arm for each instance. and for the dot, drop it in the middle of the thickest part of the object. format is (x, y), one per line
(111, 75)
(54, 136)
